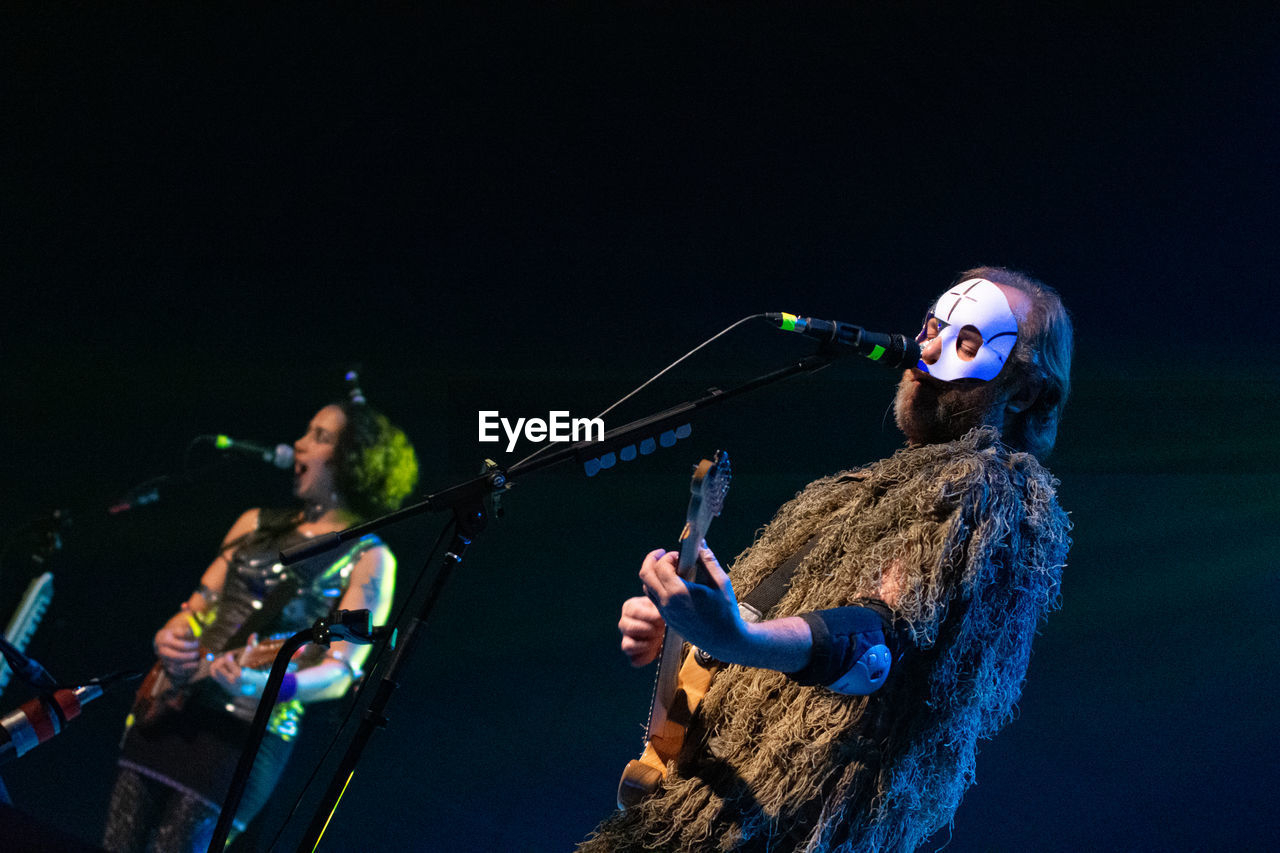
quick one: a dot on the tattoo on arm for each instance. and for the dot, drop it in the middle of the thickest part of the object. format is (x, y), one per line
(371, 589)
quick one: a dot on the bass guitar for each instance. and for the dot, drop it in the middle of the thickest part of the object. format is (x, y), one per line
(678, 690)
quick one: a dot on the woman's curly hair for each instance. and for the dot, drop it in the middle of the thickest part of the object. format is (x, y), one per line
(375, 467)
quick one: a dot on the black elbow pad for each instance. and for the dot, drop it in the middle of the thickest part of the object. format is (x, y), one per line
(850, 652)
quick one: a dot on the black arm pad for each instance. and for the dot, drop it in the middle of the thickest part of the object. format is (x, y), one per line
(850, 650)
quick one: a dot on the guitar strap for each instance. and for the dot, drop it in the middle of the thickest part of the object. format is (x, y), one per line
(769, 591)
(271, 608)
(757, 603)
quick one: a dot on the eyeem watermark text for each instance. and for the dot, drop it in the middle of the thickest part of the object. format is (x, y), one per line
(558, 426)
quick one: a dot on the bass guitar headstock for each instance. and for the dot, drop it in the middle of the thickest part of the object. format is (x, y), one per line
(708, 489)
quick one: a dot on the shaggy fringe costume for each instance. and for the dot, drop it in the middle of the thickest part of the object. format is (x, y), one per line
(972, 536)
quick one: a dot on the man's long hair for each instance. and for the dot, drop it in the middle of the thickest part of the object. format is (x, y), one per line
(1042, 355)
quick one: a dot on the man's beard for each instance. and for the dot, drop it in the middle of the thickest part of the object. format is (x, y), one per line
(929, 411)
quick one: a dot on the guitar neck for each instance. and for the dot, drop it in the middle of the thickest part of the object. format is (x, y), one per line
(258, 657)
(688, 565)
(664, 688)
(710, 482)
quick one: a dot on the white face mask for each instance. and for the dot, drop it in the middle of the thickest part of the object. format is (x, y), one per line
(980, 304)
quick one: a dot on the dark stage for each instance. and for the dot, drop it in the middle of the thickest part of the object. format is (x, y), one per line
(210, 214)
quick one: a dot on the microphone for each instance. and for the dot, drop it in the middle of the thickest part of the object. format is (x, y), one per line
(280, 456)
(882, 348)
(41, 718)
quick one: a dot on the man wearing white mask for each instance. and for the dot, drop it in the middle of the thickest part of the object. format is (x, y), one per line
(846, 716)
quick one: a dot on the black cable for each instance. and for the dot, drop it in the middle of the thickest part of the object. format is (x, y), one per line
(106, 682)
(28, 670)
(544, 448)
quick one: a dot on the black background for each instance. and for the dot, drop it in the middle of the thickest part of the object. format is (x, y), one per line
(210, 213)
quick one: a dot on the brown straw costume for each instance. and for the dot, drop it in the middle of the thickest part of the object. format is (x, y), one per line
(971, 534)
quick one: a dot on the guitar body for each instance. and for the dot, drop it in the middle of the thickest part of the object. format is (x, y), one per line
(680, 684)
(159, 695)
(155, 696)
(642, 775)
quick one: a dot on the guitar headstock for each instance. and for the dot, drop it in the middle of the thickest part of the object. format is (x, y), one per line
(709, 487)
(711, 480)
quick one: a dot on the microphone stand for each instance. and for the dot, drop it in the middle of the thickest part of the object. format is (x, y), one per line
(354, 626)
(465, 500)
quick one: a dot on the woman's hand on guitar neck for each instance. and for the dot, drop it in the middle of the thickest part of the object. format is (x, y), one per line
(177, 649)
